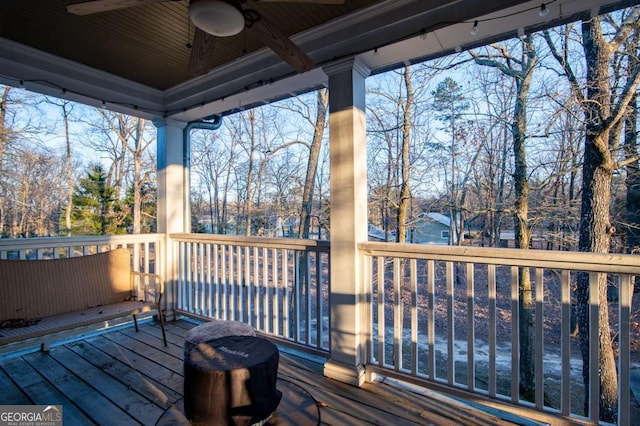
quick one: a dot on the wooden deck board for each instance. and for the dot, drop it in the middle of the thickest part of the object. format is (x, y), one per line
(175, 335)
(11, 394)
(154, 391)
(330, 396)
(136, 405)
(148, 339)
(86, 398)
(124, 377)
(156, 354)
(40, 391)
(149, 368)
(347, 403)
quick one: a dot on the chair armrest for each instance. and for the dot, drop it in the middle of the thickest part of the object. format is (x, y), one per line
(157, 294)
(158, 285)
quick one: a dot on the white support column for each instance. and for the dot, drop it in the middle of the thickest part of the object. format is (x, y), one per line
(347, 145)
(173, 196)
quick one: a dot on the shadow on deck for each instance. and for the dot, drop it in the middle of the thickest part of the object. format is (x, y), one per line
(123, 377)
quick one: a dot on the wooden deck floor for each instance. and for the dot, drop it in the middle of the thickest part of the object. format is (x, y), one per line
(123, 377)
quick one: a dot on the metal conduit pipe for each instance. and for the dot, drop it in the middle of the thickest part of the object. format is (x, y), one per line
(208, 123)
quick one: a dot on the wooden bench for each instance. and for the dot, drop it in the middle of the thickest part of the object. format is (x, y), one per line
(42, 301)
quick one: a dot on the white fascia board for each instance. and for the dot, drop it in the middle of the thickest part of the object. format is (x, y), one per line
(262, 94)
(41, 72)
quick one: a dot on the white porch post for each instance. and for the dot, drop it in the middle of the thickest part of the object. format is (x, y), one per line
(347, 145)
(173, 196)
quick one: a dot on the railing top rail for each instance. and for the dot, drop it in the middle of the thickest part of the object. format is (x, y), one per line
(578, 261)
(267, 242)
(48, 242)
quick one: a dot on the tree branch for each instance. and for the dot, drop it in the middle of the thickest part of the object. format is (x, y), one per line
(628, 93)
(568, 71)
(626, 162)
(628, 24)
(481, 60)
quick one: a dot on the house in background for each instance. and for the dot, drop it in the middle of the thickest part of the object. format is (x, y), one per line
(426, 228)
(431, 228)
(376, 234)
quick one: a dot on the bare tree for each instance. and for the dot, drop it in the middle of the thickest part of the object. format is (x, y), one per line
(399, 144)
(213, 160)
(261, 135)
(558, 190)
(252, 153)
(314, 116)
(322, 101)
(28, 171)
(66, 109)
(4, 137)
(383, 178)
(405, 190)
(521, 69)
(491, 172)
(603, 113)
(137, 146)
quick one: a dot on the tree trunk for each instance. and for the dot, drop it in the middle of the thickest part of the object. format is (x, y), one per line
(632, 240)
(595, 237)
(312, 165)
(522, 77)
(3, 141)
(69, 170)
(405, 192)
(137, 176)
(521, 221)
(595, 227)
(248, 206)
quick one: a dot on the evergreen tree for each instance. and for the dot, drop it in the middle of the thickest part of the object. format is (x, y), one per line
(95, 206)
(449, 105)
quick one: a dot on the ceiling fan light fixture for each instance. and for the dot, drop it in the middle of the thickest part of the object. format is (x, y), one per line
(216, 17)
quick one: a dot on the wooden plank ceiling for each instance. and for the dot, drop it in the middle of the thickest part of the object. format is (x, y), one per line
(146, 44)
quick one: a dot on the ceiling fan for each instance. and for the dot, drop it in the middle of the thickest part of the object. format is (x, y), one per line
(219, 18)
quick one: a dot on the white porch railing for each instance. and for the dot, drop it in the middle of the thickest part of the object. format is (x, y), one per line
(437, 316)
(279, 286)
(146, 249)
(449, 316)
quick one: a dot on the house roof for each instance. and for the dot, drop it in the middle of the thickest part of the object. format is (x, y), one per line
(135, 60)
(440, 218)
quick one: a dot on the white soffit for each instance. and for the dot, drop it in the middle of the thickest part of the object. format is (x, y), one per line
(457, 37)
(51, 75)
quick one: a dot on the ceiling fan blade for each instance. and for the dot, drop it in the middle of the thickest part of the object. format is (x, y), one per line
(201, 59)
(97, 6)
(304, 1)
(280, 44)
